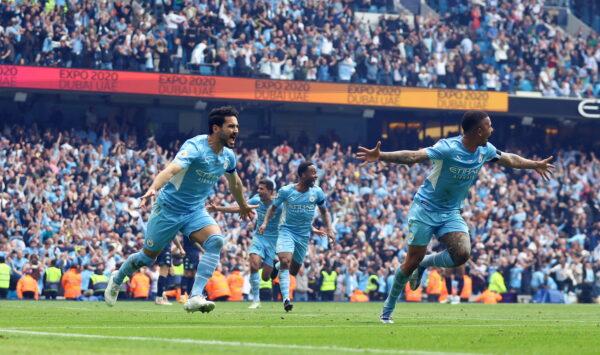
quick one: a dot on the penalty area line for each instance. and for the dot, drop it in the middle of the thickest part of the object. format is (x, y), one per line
(236, 344)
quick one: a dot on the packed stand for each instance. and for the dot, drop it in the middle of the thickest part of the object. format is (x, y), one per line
(499, 45)
(70, 214)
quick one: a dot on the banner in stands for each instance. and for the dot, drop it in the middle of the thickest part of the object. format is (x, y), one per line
(23, 77)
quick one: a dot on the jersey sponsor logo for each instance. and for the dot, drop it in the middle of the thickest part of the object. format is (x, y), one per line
(464, 173)
(207, 178)
(301, 208)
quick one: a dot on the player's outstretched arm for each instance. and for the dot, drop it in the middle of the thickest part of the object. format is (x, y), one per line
(161, 179)
(327, 221)
(237, 189)
(268, 216)
(408, 157)
(211, 207)
(543, 167)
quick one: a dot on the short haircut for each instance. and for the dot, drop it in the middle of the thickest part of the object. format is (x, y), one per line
(472, 119)
(217, 116)
(303, 167)
(269, 184)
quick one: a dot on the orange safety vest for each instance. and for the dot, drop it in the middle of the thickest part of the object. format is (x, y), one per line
(467, 287)
(444, 293)
(27, 284)
(434, 284)
(489, 297)
(413, 296)
(71, 283)
(140, 285)
(236, 283)
(217, 286)
(359, 296)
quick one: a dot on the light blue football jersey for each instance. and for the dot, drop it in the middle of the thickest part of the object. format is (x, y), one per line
(202, 168)
(455, 170)
(261, 212)
(298, 208)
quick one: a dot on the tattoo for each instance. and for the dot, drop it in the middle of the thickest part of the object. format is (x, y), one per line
(514, 161)
(408, 157)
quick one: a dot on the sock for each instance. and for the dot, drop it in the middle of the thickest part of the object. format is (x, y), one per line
(208, 263)
(184, 285)
(160, 285)
(255, 284)
(133, 263)
(441, 259)
(284, 284)
(190, 285)
(399, 283)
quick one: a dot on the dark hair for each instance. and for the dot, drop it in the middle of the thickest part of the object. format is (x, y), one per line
(472, 119)
(217, 116)
(268, 184)
(303, 167)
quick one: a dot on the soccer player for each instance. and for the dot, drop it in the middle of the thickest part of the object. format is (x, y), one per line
(262, 249)
(436, 206)
(299, 203)
(184, 186)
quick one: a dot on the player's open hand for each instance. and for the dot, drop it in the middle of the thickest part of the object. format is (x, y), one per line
(210, 207)
(369, 155)
(262, 228)
(147, 196)
(246, 212)
(331, 235)
(545, 168)
(320, 232)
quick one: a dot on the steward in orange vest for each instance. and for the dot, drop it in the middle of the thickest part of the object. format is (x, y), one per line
(27, 287)
(413, 296)
(217, 286)
(434, 286)
(489, 297)
(467, 290)
(236, 282)
(71, 283)
(358, 296)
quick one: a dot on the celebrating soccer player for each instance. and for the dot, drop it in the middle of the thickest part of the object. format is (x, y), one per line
(436, 206)
(182, 189)
(299, 203)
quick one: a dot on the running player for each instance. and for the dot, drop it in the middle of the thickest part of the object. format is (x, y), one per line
(184, 186)
(436, 206)
(299, 203)
(262, 249)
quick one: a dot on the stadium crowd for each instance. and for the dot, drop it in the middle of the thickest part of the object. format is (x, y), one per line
(476, 45)
(70, 214)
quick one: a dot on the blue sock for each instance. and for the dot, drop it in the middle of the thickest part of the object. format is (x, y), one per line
(255, 284)
(284, 284)
(133, 263)
(160, 285)
(208, 263)
(441, 259)
(399, 282)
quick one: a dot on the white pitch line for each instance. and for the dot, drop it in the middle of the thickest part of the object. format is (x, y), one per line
(283, 326)
(237, 344)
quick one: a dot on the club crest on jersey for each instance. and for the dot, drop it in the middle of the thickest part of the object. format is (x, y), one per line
(225, 164)
(312, 199)
(480, 157)
(149, 243)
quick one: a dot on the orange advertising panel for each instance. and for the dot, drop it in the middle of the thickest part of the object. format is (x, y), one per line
(23, 77)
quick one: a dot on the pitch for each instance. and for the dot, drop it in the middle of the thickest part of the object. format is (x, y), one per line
(313, 328)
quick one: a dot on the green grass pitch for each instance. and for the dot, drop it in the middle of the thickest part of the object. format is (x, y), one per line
(312, 328)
